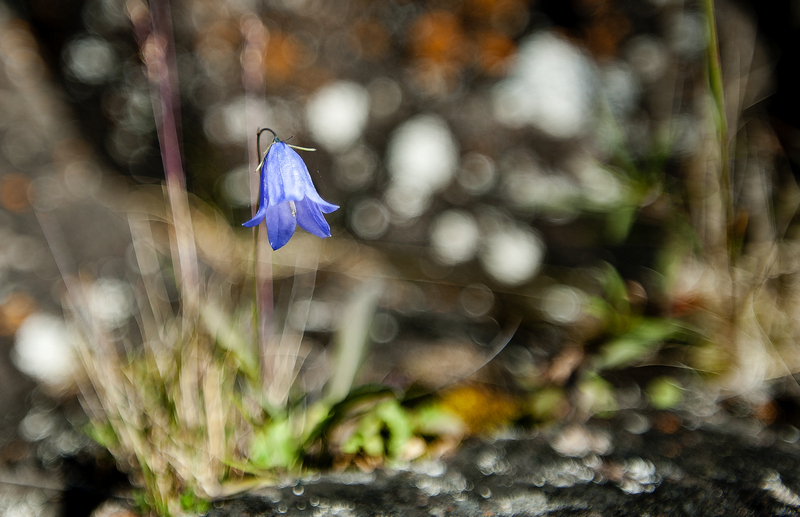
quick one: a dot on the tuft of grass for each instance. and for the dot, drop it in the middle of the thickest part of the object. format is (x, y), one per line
(181, 398)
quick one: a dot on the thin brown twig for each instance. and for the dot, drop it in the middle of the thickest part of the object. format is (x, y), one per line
(153, 28)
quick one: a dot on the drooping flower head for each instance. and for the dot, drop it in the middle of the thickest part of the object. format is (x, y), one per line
(287, 197)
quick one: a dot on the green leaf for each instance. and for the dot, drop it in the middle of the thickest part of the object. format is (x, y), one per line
(275, 445)
(433, 420)
(664, 392)
(548, 403)
(598, 396)
(637, 343)
(616, 292)
(384, 430)
(329, 416)
(190, 503)
(620, 221)
(103, 434)
(398, 424)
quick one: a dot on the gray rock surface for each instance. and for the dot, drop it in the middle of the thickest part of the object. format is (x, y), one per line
(737, 469)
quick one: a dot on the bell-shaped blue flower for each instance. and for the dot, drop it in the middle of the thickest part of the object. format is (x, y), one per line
(287, 197)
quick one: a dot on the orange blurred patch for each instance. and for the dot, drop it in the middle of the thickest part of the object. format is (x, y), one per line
(766, 412)
(667, 423)
(481, 8)
(440, 49)
(14, 193)
(494, 51)
(283, 53)
(481, 409)
(438, 36)
(13, 312)
(220, 42)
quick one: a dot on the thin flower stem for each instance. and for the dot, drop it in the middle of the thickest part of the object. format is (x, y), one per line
(258, 139)
(255, 38)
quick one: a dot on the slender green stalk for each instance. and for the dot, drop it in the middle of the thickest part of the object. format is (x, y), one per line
(714, 70)
(715, 82)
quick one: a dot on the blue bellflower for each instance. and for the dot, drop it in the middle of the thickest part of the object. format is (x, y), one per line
(287, 197)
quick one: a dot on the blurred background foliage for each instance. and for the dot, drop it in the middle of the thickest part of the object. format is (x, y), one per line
(544, 218)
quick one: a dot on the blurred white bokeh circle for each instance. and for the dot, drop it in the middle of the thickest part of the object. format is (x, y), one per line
(511, 254)
(551, 87)
(422, 152)
(337, 115)
(454, 236)
(43, 350)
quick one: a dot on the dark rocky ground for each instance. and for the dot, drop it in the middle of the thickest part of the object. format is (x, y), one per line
(634, 464)
(607, 468)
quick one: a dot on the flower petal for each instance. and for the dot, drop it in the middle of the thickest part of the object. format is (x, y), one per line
(273, 178)
(311, 193)
(310, 218)
(262, 199)
(290, 174)
(280, 225)
(260, 215)
(323, 205)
